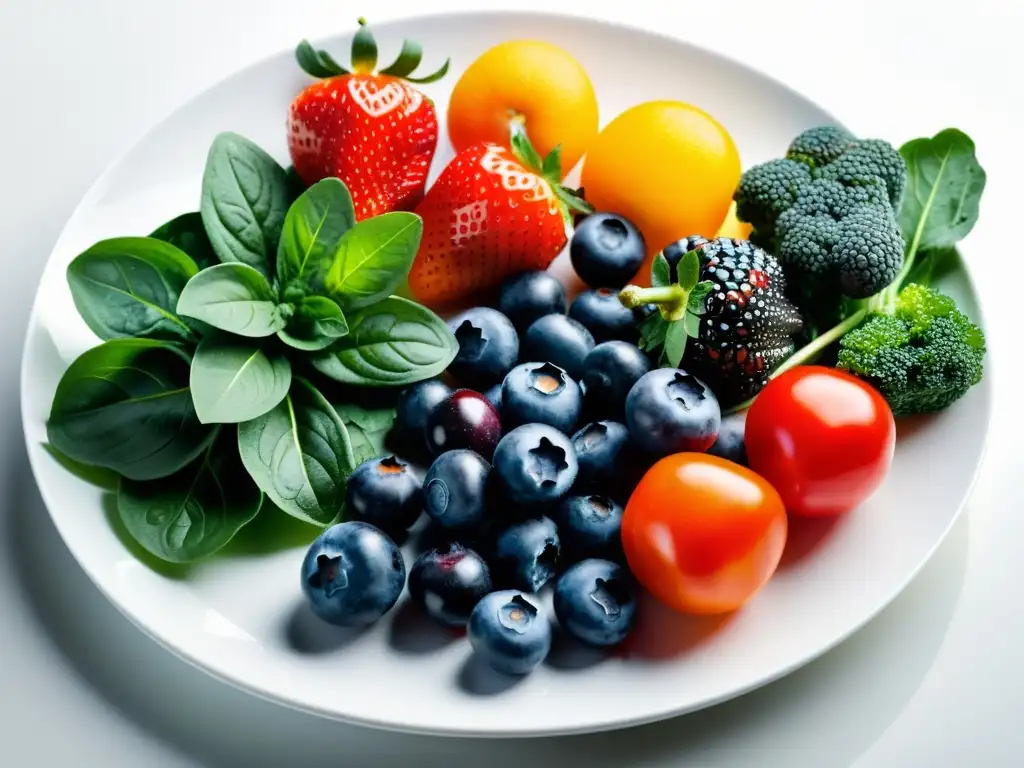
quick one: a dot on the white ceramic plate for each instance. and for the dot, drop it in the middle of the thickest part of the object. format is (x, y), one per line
(241, 616)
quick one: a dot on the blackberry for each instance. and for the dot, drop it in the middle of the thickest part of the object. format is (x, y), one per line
(748, 323)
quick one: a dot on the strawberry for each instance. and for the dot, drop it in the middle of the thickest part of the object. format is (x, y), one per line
(370, 129)
(491, 214)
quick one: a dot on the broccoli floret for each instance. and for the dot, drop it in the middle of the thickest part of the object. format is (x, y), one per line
(922, 357)
(827, 211)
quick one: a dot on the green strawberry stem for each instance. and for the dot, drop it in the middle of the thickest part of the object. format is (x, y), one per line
(633, 296)
(548, 168)
(319, 63)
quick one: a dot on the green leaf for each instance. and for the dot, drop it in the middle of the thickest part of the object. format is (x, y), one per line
(234, 298)
(695, 303)
(653, 329)
(551, 169)
(367, 429)
(236, 381)
(186, 233)
(364, 49)
(129, 286)
(691, 323)
(392, 343)
(101, 477)
(944, 186)
(317, 323)
(317, 63)
(299, 454)
(675, 342)
(408, 59)
(661, 272)
(373, 259)
(433, 77)
(313, 230)
(193, 513)
(245, 199)
(688, 270)
(126, 405)
(523, 148)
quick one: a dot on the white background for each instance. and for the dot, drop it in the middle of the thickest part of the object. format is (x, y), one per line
(934, 681)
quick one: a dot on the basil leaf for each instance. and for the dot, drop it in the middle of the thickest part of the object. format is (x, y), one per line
(675, 342)
(245, 198)
(234, 298)
(367, 429)
(125, 405)
(101, 477)
(661, 272)
(186, 232)
(195, 512)
(128, 287)
(688, 270)
(944, 186)
(391, 343)
(233, 382)
(299, 454)
(373, 259)
(317, 323)
(313, 230)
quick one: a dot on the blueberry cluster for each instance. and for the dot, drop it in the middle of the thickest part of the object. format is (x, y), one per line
(548, 417)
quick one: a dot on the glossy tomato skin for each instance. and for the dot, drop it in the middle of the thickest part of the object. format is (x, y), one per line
(703, 534)
(822, 437)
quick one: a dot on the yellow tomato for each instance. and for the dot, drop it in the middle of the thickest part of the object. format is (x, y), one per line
(530, 80)
(668, 167)
(733, 227)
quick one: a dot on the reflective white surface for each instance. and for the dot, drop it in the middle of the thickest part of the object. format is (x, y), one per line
(845, 701)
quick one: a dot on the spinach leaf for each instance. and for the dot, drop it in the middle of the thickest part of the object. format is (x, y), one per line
(944, 186)
(313, 229)
(373, 259)
(128, 287)
(193, 513)
(367, 429)
(101, 477)
(245, 198)
(125, 405)
(299, 454)
(186, 233)
(317, 323)
(391, 343)
(234, 298)
(235, 381)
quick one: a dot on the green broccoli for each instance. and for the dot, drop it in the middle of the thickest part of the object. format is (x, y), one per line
(827, 211)
(923, 356)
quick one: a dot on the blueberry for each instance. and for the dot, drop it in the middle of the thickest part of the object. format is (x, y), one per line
(730, 443)
(488, 347)
(465, 420)
(601, 313)
(595, 602)
(511, 631)
(605, 459)
(607, 250)
(529, 296)
(560, 340)
(455, 490)
(415, 404)
(535, 463)
(352, 574)
(448, 583)
(670, 411)
(540, 393)
(385, 493)
(589, 526)
(526, 554)
(609, 372)
(493, 396)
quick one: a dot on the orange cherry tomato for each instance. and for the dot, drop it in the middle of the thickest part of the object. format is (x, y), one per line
(822, 437)
(703, 534)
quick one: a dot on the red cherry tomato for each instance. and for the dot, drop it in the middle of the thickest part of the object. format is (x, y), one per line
(822, 437)
(703, 534)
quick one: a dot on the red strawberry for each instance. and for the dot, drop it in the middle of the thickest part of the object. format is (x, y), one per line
(491, 214)
(373, 131)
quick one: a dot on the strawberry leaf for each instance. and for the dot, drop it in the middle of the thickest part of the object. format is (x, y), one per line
(695, 302)
(653, 329)
(688, 270)
(675, 342)
(523, 149)
(551, 169)
(433, 77)
(691, 323)
(317, 63)
(408, 59)
(364, 49)
(661, 272)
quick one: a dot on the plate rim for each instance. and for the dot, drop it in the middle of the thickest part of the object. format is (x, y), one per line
(539, 16)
